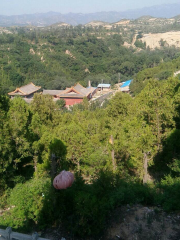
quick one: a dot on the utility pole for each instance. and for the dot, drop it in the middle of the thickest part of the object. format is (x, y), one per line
(111, 141)
(101, 87)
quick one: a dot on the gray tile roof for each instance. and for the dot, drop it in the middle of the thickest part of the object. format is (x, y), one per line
(82, 90)
(78, 87)
(87, 91)
(52, 92)
(76, 91)
(25, 90)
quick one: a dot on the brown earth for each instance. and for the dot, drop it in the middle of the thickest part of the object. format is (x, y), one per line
(143, 223)
(135, 222)
(153, 40)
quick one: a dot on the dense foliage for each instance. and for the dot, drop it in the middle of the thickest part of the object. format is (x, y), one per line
(126, 151)
(56, 58)
(145, 129)
(161, 72)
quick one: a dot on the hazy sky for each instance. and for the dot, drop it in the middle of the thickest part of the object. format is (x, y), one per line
(14, 7)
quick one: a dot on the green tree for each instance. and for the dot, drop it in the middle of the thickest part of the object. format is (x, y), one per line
(44, 106)
(61, 103)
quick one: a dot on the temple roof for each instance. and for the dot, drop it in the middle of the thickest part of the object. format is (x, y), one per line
(52, 92)
(25, 90)
(77, 91)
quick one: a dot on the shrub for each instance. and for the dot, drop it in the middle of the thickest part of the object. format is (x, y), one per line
(169, 193)
(28, 204)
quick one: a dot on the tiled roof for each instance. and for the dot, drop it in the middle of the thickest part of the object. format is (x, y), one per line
(52, 92)
(25, 90)
(77, 91)
(84, 91)
(78, 87)
(87, 91)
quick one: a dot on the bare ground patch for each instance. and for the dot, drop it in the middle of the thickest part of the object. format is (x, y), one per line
(135, 222)
(140, 223)
(153, 40)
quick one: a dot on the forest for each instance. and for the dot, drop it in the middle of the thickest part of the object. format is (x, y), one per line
(40, 139)
(57, 58)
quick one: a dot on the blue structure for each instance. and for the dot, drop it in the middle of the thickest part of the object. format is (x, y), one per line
(126, 84)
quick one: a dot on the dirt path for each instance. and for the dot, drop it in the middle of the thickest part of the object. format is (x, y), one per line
(134, 40)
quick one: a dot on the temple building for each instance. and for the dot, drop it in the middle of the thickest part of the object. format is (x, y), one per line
(27, 92)
(72, 95)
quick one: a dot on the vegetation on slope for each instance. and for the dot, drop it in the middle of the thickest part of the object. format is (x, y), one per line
(145, 129)
(162, 72)
(57, 58)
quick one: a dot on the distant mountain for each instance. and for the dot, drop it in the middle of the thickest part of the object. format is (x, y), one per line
(159, 11)
(46, 19)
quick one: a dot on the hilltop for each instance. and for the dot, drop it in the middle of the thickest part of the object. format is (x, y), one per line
(58, 55)
(96, 24)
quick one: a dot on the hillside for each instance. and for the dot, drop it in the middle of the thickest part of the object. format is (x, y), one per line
(158, 40)
(59, 55)
(149, 31)
(96, 24)
(127, 187)
(123, 155)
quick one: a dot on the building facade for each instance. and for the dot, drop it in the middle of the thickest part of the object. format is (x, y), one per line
(72, 95)
(26, 92)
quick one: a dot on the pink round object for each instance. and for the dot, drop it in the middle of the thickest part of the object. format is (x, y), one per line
(64, 180)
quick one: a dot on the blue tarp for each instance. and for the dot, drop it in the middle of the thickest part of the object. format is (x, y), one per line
(126, 84)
